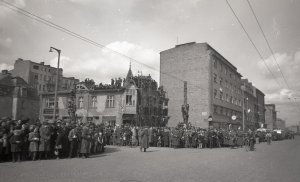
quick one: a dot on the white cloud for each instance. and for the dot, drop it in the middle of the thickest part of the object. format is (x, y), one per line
(290, 67)
(5, 42)
(106, 65)
(281, 58)
(4, 66)
(281, 96)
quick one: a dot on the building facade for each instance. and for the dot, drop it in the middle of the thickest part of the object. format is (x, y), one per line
(213, 86)
(270, 116)
(41, 76)
(260, 113)
(134, 101)
(17, 99)
(254, 103)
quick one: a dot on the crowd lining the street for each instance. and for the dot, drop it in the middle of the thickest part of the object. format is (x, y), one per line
(21, 141)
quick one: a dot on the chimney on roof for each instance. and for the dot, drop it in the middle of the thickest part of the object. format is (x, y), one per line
(42, 63)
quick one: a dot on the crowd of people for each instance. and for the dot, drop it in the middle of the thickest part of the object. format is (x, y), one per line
(20, 140)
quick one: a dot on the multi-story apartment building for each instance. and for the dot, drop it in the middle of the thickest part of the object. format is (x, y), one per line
(17, 99)
(213, 86)
(260, 113)
(252, 105)
(128, 101)
(41, 76)
(270, 116)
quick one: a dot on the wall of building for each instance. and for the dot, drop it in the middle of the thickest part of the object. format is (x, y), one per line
(261, 106)
(17, 99)
(41, 76)
(28, 109)
(270, 116)
(97, 114)
(280, 124)
(22, 69)
(188, 62)
(5, 106)
(226, 90)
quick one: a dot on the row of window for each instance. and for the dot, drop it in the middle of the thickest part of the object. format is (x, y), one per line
(222, 68)
(36, 67)
(227, 98)
(42, 77)
(109, 103)
(49, 78)
(226, 111)
(40, 87)
(226, 84)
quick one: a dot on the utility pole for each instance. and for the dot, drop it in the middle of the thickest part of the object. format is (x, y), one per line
(56, 82)
(243, 110)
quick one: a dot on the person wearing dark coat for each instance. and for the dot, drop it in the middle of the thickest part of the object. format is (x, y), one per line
(101, 143)
(16, 145)
(166, 134)
(25, 142)
(34, 138)
(144, 139)
(59, 143)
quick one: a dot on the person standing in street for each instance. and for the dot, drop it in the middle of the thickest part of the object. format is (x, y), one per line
(85, 141)
(73, 139)
(44, 146)
(144, 139)
(34, 139)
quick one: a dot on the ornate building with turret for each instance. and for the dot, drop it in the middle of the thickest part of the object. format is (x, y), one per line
(134, 100)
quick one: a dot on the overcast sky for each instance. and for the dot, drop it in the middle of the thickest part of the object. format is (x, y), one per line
(142, 28)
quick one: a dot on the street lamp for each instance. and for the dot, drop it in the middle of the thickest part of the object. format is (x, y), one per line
(243, 87)
(56, 81)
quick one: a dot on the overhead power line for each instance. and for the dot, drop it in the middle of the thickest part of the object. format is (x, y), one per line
(271, 50)
(268, 44)
(76, 35)
(250, 39)
(87, 40)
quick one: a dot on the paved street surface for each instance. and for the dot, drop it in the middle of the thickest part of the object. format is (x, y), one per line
(279, 162)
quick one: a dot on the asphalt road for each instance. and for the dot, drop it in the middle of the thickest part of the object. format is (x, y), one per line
(278, 162)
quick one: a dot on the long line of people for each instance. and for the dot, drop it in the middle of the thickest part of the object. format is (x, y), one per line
(188, 137)
(21, 141)
(177, 137)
